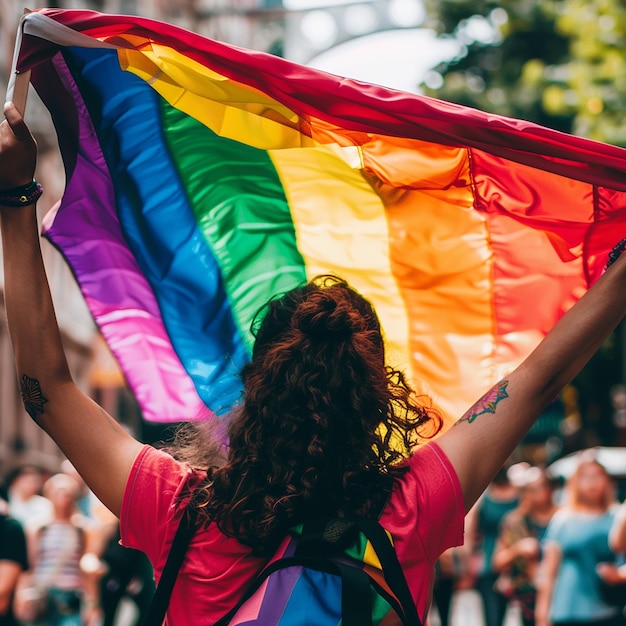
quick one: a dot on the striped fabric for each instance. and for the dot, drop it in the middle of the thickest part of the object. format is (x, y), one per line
(279, 600)
(203, 179)
(60, 547)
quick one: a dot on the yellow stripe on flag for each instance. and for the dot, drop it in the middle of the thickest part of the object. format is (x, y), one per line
(341, 228)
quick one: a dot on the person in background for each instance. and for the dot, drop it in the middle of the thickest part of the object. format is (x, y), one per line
(517, 552)
(26, 504)
(56, 550)
(613, 573)
(128, 576)
(481, 530)
(13, 561)
(450, 568)
(617, 536)
(117, 573)
(576, 541)
(85, 497)
(87, 518)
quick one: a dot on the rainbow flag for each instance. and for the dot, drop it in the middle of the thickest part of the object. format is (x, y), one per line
(202, 179)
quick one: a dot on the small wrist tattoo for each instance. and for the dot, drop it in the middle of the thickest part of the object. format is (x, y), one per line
(32, 397)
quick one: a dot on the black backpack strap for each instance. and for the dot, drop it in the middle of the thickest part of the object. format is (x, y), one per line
(320, 533)
(355, 588)
(355, 583)
(161, 599)
(356, 598)
(392, 570)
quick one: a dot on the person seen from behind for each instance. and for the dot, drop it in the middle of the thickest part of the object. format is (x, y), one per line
(325, 425)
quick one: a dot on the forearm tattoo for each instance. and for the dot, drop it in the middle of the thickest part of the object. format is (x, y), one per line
(488, 403)
(32, 397)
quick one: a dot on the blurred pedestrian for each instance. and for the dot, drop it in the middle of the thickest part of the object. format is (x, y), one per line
(449, 569)
(576, 541)
(482, 528)
(86, 498)
(617, 537)
(613, 573)
(128, 576)
(518, 547)
(13, 561)
(118, 573)
(54, 595)
(26, 504)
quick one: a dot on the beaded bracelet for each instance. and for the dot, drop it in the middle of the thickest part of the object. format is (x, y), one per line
(616, 253)
(21, 196)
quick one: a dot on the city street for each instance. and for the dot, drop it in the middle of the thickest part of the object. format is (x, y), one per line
(466, 611)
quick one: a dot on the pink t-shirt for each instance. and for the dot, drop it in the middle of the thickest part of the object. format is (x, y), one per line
(424, 515)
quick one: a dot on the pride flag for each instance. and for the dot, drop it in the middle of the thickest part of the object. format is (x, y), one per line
(202, 179)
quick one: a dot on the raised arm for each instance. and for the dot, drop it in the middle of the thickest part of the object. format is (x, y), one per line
(617, 536)
(506, 552)
(549, 568)
(481, 441)
(100, 449)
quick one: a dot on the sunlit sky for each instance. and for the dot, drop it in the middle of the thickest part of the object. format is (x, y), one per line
(399, 59)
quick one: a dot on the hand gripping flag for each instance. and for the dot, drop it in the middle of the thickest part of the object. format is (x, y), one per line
(202, 179)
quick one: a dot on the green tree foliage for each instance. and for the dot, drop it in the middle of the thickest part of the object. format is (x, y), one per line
(593, 85)
(561, 63)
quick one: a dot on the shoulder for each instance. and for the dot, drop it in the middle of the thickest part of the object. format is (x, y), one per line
(430, 462)
(616, 511)
(155, 490)
(427, 502)
(12, 541)
(10, 530)
(157, 473)
(514, 518)
(430, 477)
(153, 460)
(560, 521)
(155, 469)
(562, 516)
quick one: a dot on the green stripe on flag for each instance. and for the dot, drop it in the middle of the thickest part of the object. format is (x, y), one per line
(241, 208)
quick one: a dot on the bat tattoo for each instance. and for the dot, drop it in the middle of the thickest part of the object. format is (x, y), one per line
(488, 403)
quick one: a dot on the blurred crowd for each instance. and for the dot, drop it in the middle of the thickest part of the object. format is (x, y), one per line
(555, 550)
(61, 563)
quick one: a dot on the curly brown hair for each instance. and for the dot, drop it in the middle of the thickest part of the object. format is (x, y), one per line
(324, 423)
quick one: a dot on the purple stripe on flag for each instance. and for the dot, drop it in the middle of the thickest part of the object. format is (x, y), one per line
(110, 279)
